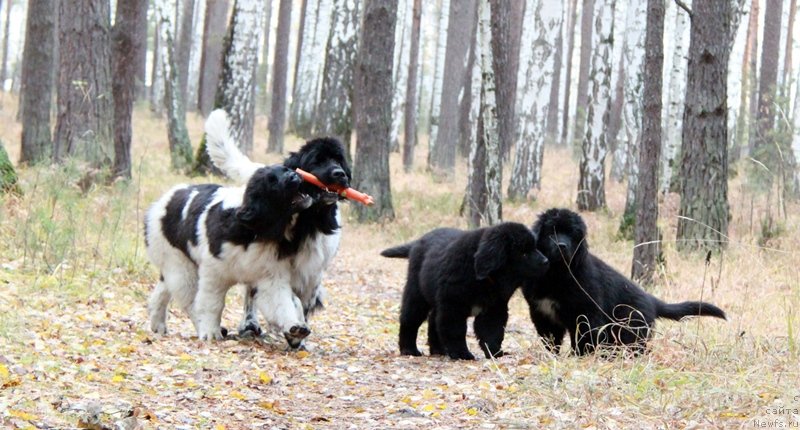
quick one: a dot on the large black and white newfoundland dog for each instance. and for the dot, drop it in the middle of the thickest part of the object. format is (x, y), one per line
(454, 274)
(206, 238)
(585, 297)
(316, 230)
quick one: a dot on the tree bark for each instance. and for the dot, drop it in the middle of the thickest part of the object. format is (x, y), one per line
(573, 18)
(130, 23)
(38, 62)
(309, 69)
(553, 120)
(85, 111)
(591, 188)
(373, 104)
(752, 37)
(211, 59)
(4, 60)
(646, 235)
(582, 93)
(8, 177)
(618, 147)
(157, 71)
(703, 222)
(400, 72)
(280, 66)
(764, 143)
(442, 157)
(543, 20)
(410, 132)
(506, 33)
(184, 49)
(438, 77)
(470, 103)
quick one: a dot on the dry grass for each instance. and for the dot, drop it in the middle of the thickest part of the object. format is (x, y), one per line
(74, 343)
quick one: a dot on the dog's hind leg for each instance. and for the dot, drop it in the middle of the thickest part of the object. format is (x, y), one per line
(157, 307)
(434, 342)
(489, 328)
(282, 309)
(249, 326)
(413, 312)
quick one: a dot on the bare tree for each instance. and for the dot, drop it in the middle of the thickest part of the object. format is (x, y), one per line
(211, 60)
(573, 18)
(85, 112)
(157, 70)
(646, 235)
(543, 19)
(277, 118)
(400, 72)
(676, 95)
(37, 90)
(410, 132)
(373, 105)
(438, 75)
(703, 214)
(767, 86)
(126, 36)
(506, 33)
(591, 188)
(263, 68)
(184, 47)
(582, 94)
(6, 31)
(442, 157)
(308, 70)
(553, 120)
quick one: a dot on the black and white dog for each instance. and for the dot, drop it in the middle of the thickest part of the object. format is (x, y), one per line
(206, 238)
(455, 274)
(316, 232)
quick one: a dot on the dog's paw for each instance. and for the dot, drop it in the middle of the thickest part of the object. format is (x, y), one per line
(296, 334)
(210, 334)
(159, 327)
(461, 355)
(437, 351)
(250, 330)
(410, 351)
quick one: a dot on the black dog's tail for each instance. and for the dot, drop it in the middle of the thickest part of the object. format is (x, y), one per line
(678, 311)
(400, 251)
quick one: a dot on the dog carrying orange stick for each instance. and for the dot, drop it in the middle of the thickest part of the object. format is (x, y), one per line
(348, 193)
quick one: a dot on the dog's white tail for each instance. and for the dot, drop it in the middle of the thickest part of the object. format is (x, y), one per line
(224, 152)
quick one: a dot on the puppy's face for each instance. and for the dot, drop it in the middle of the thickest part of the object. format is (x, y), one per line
(562, 236)
(270, 192)
(325, 159)
(509, 248)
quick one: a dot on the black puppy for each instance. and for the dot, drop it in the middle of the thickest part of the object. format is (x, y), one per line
(454, 274)
(586, 297)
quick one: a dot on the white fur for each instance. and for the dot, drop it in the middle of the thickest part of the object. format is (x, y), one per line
(224, 152)
(199, 288)
(548, 308)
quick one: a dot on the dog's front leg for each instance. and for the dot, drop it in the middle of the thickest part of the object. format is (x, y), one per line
(207, 308)
(282, 309)
(490, 330)
(249, 326)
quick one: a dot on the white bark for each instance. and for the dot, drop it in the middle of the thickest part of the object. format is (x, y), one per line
(782, 44)
(494, 171)
(591, 189)
(539, 35)
(438, 74)
(735, 73)
(636, 25)
(676, 93)
(400, 72)
(197, 50)
(309, 70)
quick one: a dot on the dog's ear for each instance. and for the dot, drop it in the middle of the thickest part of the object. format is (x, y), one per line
(492, 253)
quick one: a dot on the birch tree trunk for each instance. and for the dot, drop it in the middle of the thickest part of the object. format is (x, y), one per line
(506, 29)
(636, 78)
(400, 72)
(676, 93)
(373, 78)
(38, 62)
(442, 157)
(85, 111)
(193, 82)
(703, 214)
(438, 78)
(484, 195)
(646, 235)
(754, 82)
(591, 188)
(737, 81)
(410, 131)
(543, 22)
(573, 18)
(470, 104)
(157, 71)
(280, 67)
(587, 27)
(180, 147)
(554, 108)
(749, 79)
(211, 61)
(309, 69)
(796, 133)
(185, 41)
(619, 147)
(4, 59)
(334, 115)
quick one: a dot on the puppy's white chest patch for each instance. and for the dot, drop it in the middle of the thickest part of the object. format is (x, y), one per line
(548, 308)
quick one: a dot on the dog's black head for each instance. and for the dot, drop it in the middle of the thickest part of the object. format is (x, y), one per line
(272, 195)
(511, 248)
(562, 236)
(325, 159)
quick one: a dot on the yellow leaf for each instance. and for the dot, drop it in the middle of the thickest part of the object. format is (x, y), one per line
(472, 411)
(428, 394)
(185, 357)
(237, 395)
(266, 405)
(731, 414)
(117, 378)
(219, 427)
(264, 378)
(513, 389)
(441, 406)
(428, 408)
(3, 371)
(406, 400)
(22, 415)
(127, 349)
(302, 354)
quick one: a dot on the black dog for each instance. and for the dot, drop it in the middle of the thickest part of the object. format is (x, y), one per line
(586, 297)
(454, 274)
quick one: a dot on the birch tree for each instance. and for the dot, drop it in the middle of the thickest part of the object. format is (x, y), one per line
(676, 92)
(438, 75)
(591, 188)
(263, 68)
(582, 95)
(157, 69)
(506, 29)
(483, 200)
(570, 41)
(309, 68)
(410, 113)
(211, 60)
(280, 68)
(400, 73)
(334, 114)
(543, 22)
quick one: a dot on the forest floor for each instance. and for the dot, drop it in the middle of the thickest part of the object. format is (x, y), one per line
(76, 350)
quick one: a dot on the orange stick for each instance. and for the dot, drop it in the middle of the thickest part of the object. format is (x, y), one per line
(348, 193)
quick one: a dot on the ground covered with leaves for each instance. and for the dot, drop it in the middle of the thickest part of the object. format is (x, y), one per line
(76, 351)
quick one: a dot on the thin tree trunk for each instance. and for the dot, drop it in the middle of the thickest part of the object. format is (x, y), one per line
(185, 38)
(618, 147)
(211, 60)
(646, 235)
(573, 18)
(587, 27)
(4, 60)
(410, 132)
(129, 24)
(157, 71)
(438, 77)
(787, 56)
(506, 33)
(309, 69)
(754, 78)
(553, 120)
(764, 148)
(400, 72)
(277, 118)
(302, 35)
(85, 111)
(470, 103)
(262, 86)
(591, 188)
(38, 87)
(703, 214)
(373, 77)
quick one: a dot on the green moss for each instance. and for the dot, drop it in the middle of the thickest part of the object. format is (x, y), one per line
(8, 177)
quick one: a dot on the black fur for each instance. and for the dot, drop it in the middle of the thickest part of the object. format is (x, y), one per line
(585, 297)
(181, 232)
(453, 273)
